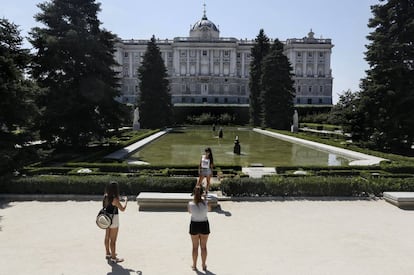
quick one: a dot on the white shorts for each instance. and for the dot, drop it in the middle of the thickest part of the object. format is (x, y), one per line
(115, 221)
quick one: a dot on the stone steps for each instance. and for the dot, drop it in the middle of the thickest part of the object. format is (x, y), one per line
(404, 200)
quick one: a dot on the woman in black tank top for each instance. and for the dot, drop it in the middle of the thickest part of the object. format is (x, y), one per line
(112, 203)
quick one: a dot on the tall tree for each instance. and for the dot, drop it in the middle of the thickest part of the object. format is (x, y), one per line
(387, 94)
(348, 114)
(277, 89)
(155, 99)
(258, 52)
(17, 94)
(74, 61)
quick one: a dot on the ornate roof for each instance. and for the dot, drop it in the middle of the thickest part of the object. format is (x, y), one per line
(204, 24)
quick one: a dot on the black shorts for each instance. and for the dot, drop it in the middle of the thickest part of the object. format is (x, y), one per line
(199, 228)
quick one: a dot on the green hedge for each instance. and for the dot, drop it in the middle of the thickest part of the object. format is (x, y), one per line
(314, 186)
(93, 185)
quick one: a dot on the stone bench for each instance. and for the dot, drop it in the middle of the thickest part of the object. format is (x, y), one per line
(169, 201)
(404, 200)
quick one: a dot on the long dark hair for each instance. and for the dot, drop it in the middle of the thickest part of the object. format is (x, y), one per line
(210, 155)
(111, 192)
(198, 191)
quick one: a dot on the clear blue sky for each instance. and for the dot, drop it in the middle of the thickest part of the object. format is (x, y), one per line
(345, 22)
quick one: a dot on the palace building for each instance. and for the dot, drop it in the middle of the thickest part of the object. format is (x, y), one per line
(205, 68)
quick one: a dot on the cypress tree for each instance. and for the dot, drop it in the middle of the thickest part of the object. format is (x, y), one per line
(74, 62)
(277, 89)
(258, 52)
(155, 99)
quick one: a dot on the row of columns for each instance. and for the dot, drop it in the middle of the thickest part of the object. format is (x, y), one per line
(315, 58)
(176, 62)
(210, 54)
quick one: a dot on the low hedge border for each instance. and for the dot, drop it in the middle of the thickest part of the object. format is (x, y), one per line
(236, 187)
(93, 185)
(314, 186)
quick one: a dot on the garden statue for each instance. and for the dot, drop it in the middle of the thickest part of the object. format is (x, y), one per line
(295, 126)
(136, 125)
(220, 133)
(237, 147)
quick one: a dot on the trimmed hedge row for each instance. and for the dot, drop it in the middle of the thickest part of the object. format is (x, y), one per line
(314, 186)
(93, 185)
(238, 187)
(101, 168)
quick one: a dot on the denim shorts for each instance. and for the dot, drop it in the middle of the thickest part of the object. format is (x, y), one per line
(205, 172)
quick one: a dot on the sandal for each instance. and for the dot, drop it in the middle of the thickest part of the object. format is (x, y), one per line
(108, 256)
(194, 268)
(117, 260)
(205, 268)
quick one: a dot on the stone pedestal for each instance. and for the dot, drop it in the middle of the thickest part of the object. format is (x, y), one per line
(136, 126)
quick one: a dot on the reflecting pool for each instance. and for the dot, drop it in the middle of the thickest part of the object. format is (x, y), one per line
(184, 146)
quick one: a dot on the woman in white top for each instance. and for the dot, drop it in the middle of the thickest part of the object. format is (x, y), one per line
(205, 168)
(199, 227)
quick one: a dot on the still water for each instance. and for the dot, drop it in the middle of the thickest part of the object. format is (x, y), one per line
(185, 146)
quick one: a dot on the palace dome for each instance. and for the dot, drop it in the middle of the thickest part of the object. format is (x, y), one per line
(204, 24)
(204, 29)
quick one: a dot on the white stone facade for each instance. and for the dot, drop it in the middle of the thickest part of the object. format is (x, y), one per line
(205, 68)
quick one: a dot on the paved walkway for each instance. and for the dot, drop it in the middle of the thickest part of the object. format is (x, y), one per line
(312, 237)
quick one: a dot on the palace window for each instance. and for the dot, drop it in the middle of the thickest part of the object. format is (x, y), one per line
(204, 53)
(226, 53)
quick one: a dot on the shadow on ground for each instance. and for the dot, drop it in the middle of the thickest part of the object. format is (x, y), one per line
(120, 270)
(219, 210)
(207, 272)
